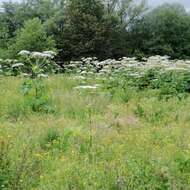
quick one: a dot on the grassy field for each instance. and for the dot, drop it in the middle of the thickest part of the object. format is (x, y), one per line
(92, 140)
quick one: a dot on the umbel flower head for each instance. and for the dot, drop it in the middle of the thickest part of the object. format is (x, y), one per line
(17, 65)
(39, 55)
(50, 54)
(24, 53)
(37, 64)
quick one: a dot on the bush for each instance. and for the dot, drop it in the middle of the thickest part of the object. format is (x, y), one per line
(32, 37)
(52, 140)
(49, 138)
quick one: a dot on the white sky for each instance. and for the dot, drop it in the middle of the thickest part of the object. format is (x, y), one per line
(154, 3)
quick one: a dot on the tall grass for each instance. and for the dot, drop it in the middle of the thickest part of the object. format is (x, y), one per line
(130, 140)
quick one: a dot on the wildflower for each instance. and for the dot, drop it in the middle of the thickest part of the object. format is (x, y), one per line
(37, 55)
(25, 74)
(87, 87)
(17, 65)
(52, 53)
(8, 60)
(41, 177)
(45, 54)
(37, 155)
(24, 53)
(83, 72)
(42, 76)
(62, 158)
(79, 77)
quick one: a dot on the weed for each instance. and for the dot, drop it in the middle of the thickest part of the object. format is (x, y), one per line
(49, 138)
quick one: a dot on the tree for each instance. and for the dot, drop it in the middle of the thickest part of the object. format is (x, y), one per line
(127, 11)
(32, 37)
(163, 31)
(92, 28)
(79, 27)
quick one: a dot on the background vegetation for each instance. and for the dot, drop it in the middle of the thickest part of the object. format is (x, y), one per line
(101, 28)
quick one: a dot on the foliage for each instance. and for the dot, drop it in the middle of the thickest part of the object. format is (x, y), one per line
(49, 138)
(32, 37)
(34, 89)
(33, 64)
(162, 31)
(100, 28)
(169, 84)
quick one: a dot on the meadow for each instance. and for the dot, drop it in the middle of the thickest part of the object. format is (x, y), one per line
(94, 95)
(93, 138)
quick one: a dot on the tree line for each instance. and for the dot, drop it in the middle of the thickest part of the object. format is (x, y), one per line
(100, 28)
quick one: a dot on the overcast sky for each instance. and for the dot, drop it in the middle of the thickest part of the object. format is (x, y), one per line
(154, 3)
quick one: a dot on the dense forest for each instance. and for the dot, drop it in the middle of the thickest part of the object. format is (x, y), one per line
(100, 28)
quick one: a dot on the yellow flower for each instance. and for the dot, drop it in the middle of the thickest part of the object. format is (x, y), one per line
(41, 177)
(62, 158)
(38, 155)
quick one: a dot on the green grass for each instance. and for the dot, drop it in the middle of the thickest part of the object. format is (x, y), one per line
(93, 141)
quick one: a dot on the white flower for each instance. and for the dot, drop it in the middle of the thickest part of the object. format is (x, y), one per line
(87, 87)
(8, 60)
(37, 55)
(25, 74)
(79, 77)
(17, 65)
(83, 72)
(42, 76)
(49, 54)
(24, 52)
(42, 55)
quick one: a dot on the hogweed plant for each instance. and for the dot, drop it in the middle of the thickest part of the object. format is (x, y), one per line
(36, 65)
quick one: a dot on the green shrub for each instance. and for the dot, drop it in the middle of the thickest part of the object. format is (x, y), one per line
(41, 104)
(146, 80)
(34, 89)
(53, 140)
(32, 37)
(49, 138)
(174, 83)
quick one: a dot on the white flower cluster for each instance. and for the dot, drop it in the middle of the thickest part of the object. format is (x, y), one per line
(24, 53)
(8, 66)
(15, 67)
(132, 66)
(87, 86)
(44, 54)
